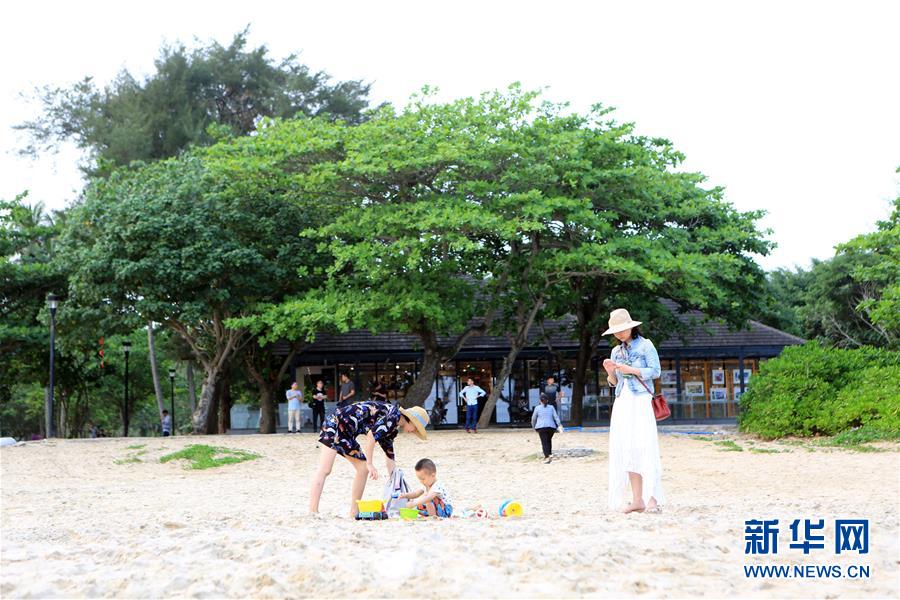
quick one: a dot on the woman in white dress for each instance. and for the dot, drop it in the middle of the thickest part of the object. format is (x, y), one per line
(633, 442)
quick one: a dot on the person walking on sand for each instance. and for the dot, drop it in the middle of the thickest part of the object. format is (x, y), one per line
(471, 393)
(318, 405)
(633, 441)
(545, 421)
(294, 398)
(348, 391)
(380, 423)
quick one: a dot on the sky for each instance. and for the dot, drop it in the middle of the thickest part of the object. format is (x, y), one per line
(790, 106)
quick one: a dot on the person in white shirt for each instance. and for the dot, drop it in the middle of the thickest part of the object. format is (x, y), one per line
(433, 500)
(294, 397)
(471, 393)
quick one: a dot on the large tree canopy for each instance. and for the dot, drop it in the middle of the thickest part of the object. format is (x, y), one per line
(193, 97)
(506, 209)
(190, 242)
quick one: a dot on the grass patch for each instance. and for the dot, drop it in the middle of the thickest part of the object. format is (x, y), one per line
(132, 457)
(729, 446)
(203, 456)
(135, 447)
(702, 438)
(767, 450)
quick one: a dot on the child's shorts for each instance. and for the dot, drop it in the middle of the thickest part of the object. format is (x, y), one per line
(440, 509)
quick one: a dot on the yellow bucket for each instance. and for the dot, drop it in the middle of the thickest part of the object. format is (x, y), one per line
(365, 506)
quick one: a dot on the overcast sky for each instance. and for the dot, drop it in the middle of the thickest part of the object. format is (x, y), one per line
(792, 106)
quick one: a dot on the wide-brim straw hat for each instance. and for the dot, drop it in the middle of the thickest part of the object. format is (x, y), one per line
(620, 320)
(418, 416)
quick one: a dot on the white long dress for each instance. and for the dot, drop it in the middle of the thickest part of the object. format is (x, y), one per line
(634, 447)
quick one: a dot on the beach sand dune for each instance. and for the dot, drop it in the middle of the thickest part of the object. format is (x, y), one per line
(80, 521)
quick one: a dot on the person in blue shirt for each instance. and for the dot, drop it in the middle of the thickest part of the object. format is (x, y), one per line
(633, 441)
(471, 393)
(294, 398)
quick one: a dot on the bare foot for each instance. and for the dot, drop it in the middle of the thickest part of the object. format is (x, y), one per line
(634, 507)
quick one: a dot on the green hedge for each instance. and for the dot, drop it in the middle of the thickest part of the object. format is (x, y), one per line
(813, 390)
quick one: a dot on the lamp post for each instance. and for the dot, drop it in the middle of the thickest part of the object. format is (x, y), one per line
(172, 385)
(126, 346)
(52, 303)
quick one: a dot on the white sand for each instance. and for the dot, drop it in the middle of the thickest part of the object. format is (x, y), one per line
(75, 524)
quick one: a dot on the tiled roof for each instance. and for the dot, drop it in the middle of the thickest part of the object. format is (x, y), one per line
(708, 335)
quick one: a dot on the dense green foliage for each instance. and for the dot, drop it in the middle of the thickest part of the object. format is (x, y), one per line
(503, 209)
(815, 390)
(189, 242)
(194, 97)
(848, 301)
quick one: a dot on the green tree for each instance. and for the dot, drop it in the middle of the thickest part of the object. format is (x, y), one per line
(623, 228)
(27, 275)
(785, 296)
(877, 277)
(189, 242)
(194, 97)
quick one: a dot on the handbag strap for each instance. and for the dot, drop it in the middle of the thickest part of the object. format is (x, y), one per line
(649, 391)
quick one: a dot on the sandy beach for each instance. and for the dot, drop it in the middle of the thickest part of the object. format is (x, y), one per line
(78, 520)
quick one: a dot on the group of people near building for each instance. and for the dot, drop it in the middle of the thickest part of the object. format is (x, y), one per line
(633, 444)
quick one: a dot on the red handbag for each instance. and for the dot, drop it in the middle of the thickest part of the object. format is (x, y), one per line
(661, 408)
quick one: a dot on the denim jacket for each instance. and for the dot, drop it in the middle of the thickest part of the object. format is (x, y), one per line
(640, 354)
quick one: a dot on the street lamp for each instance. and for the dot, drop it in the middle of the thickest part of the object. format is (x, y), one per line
(52, 303)
(126, 346)
(172, 383)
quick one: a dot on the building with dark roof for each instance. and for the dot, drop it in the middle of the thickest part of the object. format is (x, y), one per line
(703, 373)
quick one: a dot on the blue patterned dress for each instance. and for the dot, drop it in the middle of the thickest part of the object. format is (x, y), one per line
(339, 430)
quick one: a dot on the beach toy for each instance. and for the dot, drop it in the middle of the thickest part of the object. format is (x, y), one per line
(510, 509)
(366, 506)
(372, 516)
(481, 513)
(408, 514)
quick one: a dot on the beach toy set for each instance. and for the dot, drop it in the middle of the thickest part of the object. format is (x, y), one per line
(370, 510)
(374, 510)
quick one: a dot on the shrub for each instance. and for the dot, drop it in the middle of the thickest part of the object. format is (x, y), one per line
(813, 390)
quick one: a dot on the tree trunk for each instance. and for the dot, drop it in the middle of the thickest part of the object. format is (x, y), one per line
(254, 357)
(585, 354)
(432, 357)
(201, 416)
(225, 406)
(524, 323)
(419, 391)
(267, 417)
(154, 369)
(61, 429)
(508, 361)
(192, 391)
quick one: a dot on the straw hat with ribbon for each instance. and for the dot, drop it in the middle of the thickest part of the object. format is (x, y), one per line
(418, 416)
(620, 320)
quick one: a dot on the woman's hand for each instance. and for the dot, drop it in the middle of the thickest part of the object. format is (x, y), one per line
(610, 366)
(628, 369)
(373, 472)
